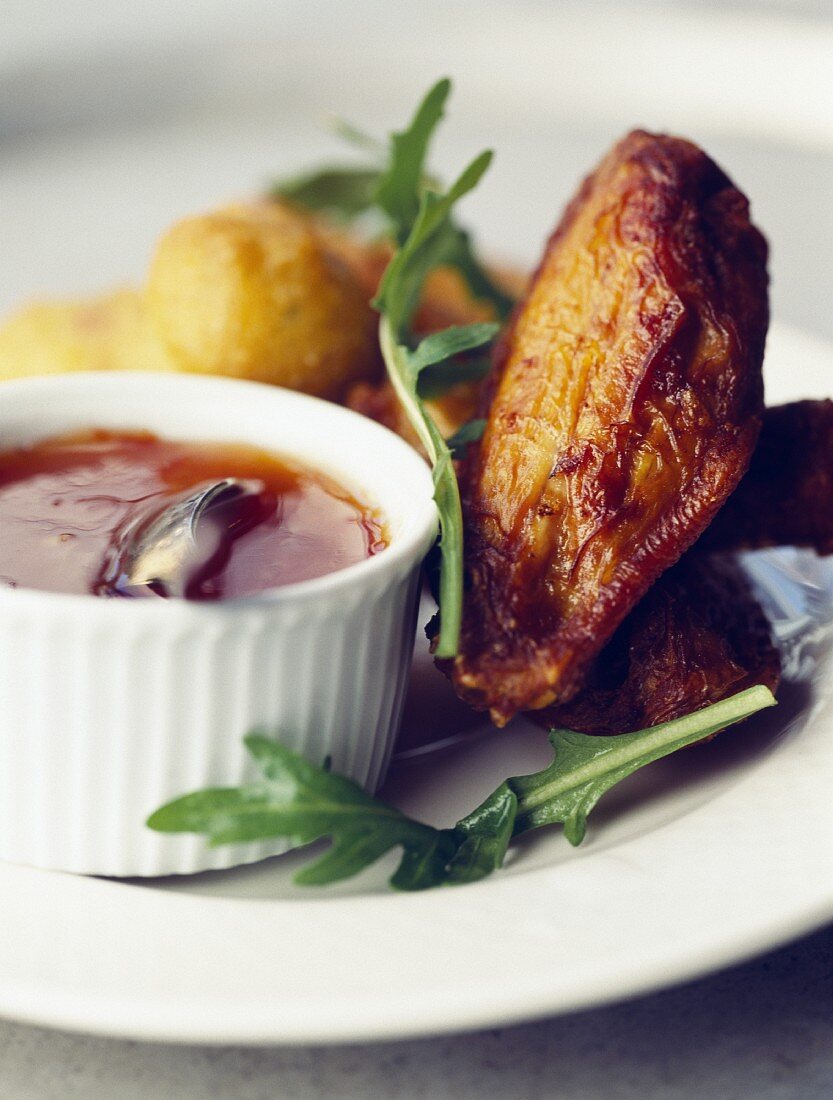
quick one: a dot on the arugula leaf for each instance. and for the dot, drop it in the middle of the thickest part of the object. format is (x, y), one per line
(435, 381)
(483, 837)
(403, 378)
(435, 349)
(470, 432)
(403, 367)
(437, 360)
(341, 192)
(396, 300)
(425, 246)
(400, 186)
(355, 136)
(419, 218)
(393, 186)
(298, 800)
(585, 767)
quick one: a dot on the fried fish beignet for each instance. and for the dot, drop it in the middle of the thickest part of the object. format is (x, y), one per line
(698, 636)
(627, 398)
(251, 290)
(786, 497)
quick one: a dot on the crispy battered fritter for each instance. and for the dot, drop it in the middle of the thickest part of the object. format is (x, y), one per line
(786, 498)
(626, 403)
(698, 636)
(108, 332)
(252, 291)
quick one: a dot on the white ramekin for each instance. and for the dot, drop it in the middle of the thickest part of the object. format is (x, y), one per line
(109, 708)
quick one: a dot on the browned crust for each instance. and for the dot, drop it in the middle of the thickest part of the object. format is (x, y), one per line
(697, 637)
(625, 405)
(786, 498)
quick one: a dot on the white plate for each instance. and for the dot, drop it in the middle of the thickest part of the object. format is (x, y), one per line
(695, 863)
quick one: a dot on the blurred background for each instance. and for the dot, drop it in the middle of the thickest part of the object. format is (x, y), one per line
(117, 118)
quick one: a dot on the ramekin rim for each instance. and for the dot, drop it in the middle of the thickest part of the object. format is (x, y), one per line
(404, 552)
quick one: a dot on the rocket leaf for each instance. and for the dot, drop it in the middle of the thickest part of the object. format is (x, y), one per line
(302, 802)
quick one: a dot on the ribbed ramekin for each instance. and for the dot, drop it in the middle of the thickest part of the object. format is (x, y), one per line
(109, 708)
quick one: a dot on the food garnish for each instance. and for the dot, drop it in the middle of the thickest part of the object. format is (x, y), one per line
(302, 802)
(390, 191)
(422, 221)
(418, 217)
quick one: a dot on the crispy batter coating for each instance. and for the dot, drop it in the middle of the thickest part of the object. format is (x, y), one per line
(258, 290)
(786, 497)
(253, 291)
(627, 398)
(378, 401)
(698, 636)
(110, 332)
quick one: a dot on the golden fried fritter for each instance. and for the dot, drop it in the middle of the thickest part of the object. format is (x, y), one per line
(786, 498)
(698, 636)
(252, 291)
(627, 398)
(258, 290)
(109, 332)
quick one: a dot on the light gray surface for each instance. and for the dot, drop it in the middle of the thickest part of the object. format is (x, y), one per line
(762, 1030)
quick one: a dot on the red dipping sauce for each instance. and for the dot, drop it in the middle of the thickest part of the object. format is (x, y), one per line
(65, 504)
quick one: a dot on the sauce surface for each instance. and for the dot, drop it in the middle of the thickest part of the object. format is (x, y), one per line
(66, 503)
